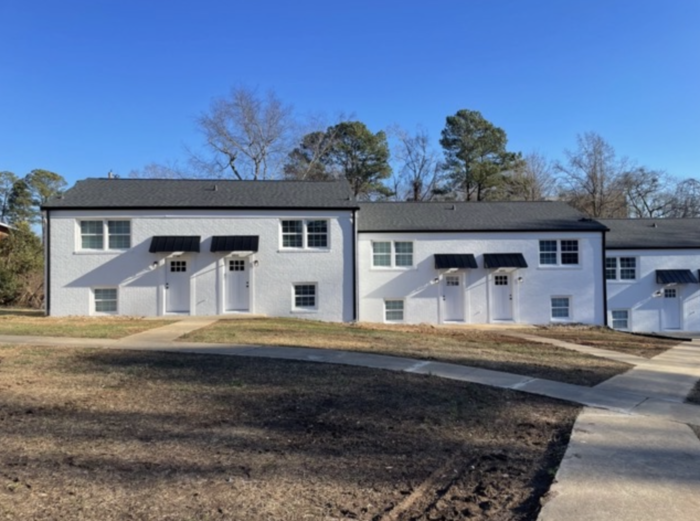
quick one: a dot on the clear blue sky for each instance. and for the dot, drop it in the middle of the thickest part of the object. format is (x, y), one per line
(92, 85)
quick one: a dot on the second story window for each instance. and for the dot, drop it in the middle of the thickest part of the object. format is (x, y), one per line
(559, 252)
(305, 234)
(93, 233)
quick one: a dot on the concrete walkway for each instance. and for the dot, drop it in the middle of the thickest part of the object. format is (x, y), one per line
(627, 396)
(622, 467)
(631, 456)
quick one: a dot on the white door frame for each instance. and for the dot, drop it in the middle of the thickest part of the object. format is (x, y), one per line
(164, 281)
(442, 301)
(679, 310)
(227, 274)
(514, 292)
(222, 269)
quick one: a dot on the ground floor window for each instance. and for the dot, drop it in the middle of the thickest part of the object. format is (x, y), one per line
(620, 318)
(561, 308)
(393, 310)
(305, 296)
(105, 300)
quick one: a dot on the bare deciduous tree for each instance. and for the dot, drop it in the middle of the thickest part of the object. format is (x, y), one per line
(161, 171)
(247, 135)
(418, 174)
(686, 199)
(648, 192)
(592, 177)
(532, 179)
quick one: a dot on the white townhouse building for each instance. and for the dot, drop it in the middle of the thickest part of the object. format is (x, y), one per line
(651, 270)
(476, 263)
(149, 247)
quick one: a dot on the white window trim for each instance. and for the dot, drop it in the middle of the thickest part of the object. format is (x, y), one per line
(313, 309)
(570, 318)
(392, 257)
(559, 252)
(403, 320)
(629, 319)
(105, 236)
(93, 302)
(618, 269)
(304, 235)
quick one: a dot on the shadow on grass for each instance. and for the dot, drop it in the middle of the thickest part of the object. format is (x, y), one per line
(149, 416)
(10, 312)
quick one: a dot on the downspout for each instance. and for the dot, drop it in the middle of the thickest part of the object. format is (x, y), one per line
(355, 308)
(605, 283)
(47, 263)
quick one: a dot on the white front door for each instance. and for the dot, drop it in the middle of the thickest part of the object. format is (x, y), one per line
(453, 297)
(502, 292)
(177, 286)
(237, 285)
(671, 309)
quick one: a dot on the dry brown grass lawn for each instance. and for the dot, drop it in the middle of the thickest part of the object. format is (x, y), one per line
(115, 435)
(487, 349)
(78, 327)
(605, 338)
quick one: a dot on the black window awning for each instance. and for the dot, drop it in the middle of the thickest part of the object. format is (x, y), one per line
(173, 243)
(446, 261)
(675, 277)
(504, 260)
(228, 243)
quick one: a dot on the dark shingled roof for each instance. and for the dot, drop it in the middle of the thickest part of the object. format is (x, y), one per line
(504, 260)
(228, 243)
(446, 261)
(171, 243)
(675, 277)
(466, 217)
(213, 193)
(646, 234)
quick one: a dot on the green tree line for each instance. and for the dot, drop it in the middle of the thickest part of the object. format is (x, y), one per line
(21, 251)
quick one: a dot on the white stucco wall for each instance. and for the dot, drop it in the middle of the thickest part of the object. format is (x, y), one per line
(142, 290)
(531, 296)
(643, 297)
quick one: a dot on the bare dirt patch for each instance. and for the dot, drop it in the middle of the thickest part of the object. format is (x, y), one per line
(115, 435)
(77, 327)
(487, 349)
(604, 338)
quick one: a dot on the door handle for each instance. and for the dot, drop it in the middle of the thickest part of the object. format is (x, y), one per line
(247, 284)
(510, 297)
(167, 286)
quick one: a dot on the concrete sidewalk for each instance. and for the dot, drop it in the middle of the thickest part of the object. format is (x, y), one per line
(632, 457)
(621, 467)
(626, 468)
(635, 400)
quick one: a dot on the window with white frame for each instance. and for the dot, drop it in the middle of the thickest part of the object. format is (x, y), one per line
(302, 234)
(105, 300)
(564, 252)
(392, 254)
(93, 233)
(620, 318)
(305, 296)
(561, 308)
(620, 268)
(393, 310)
